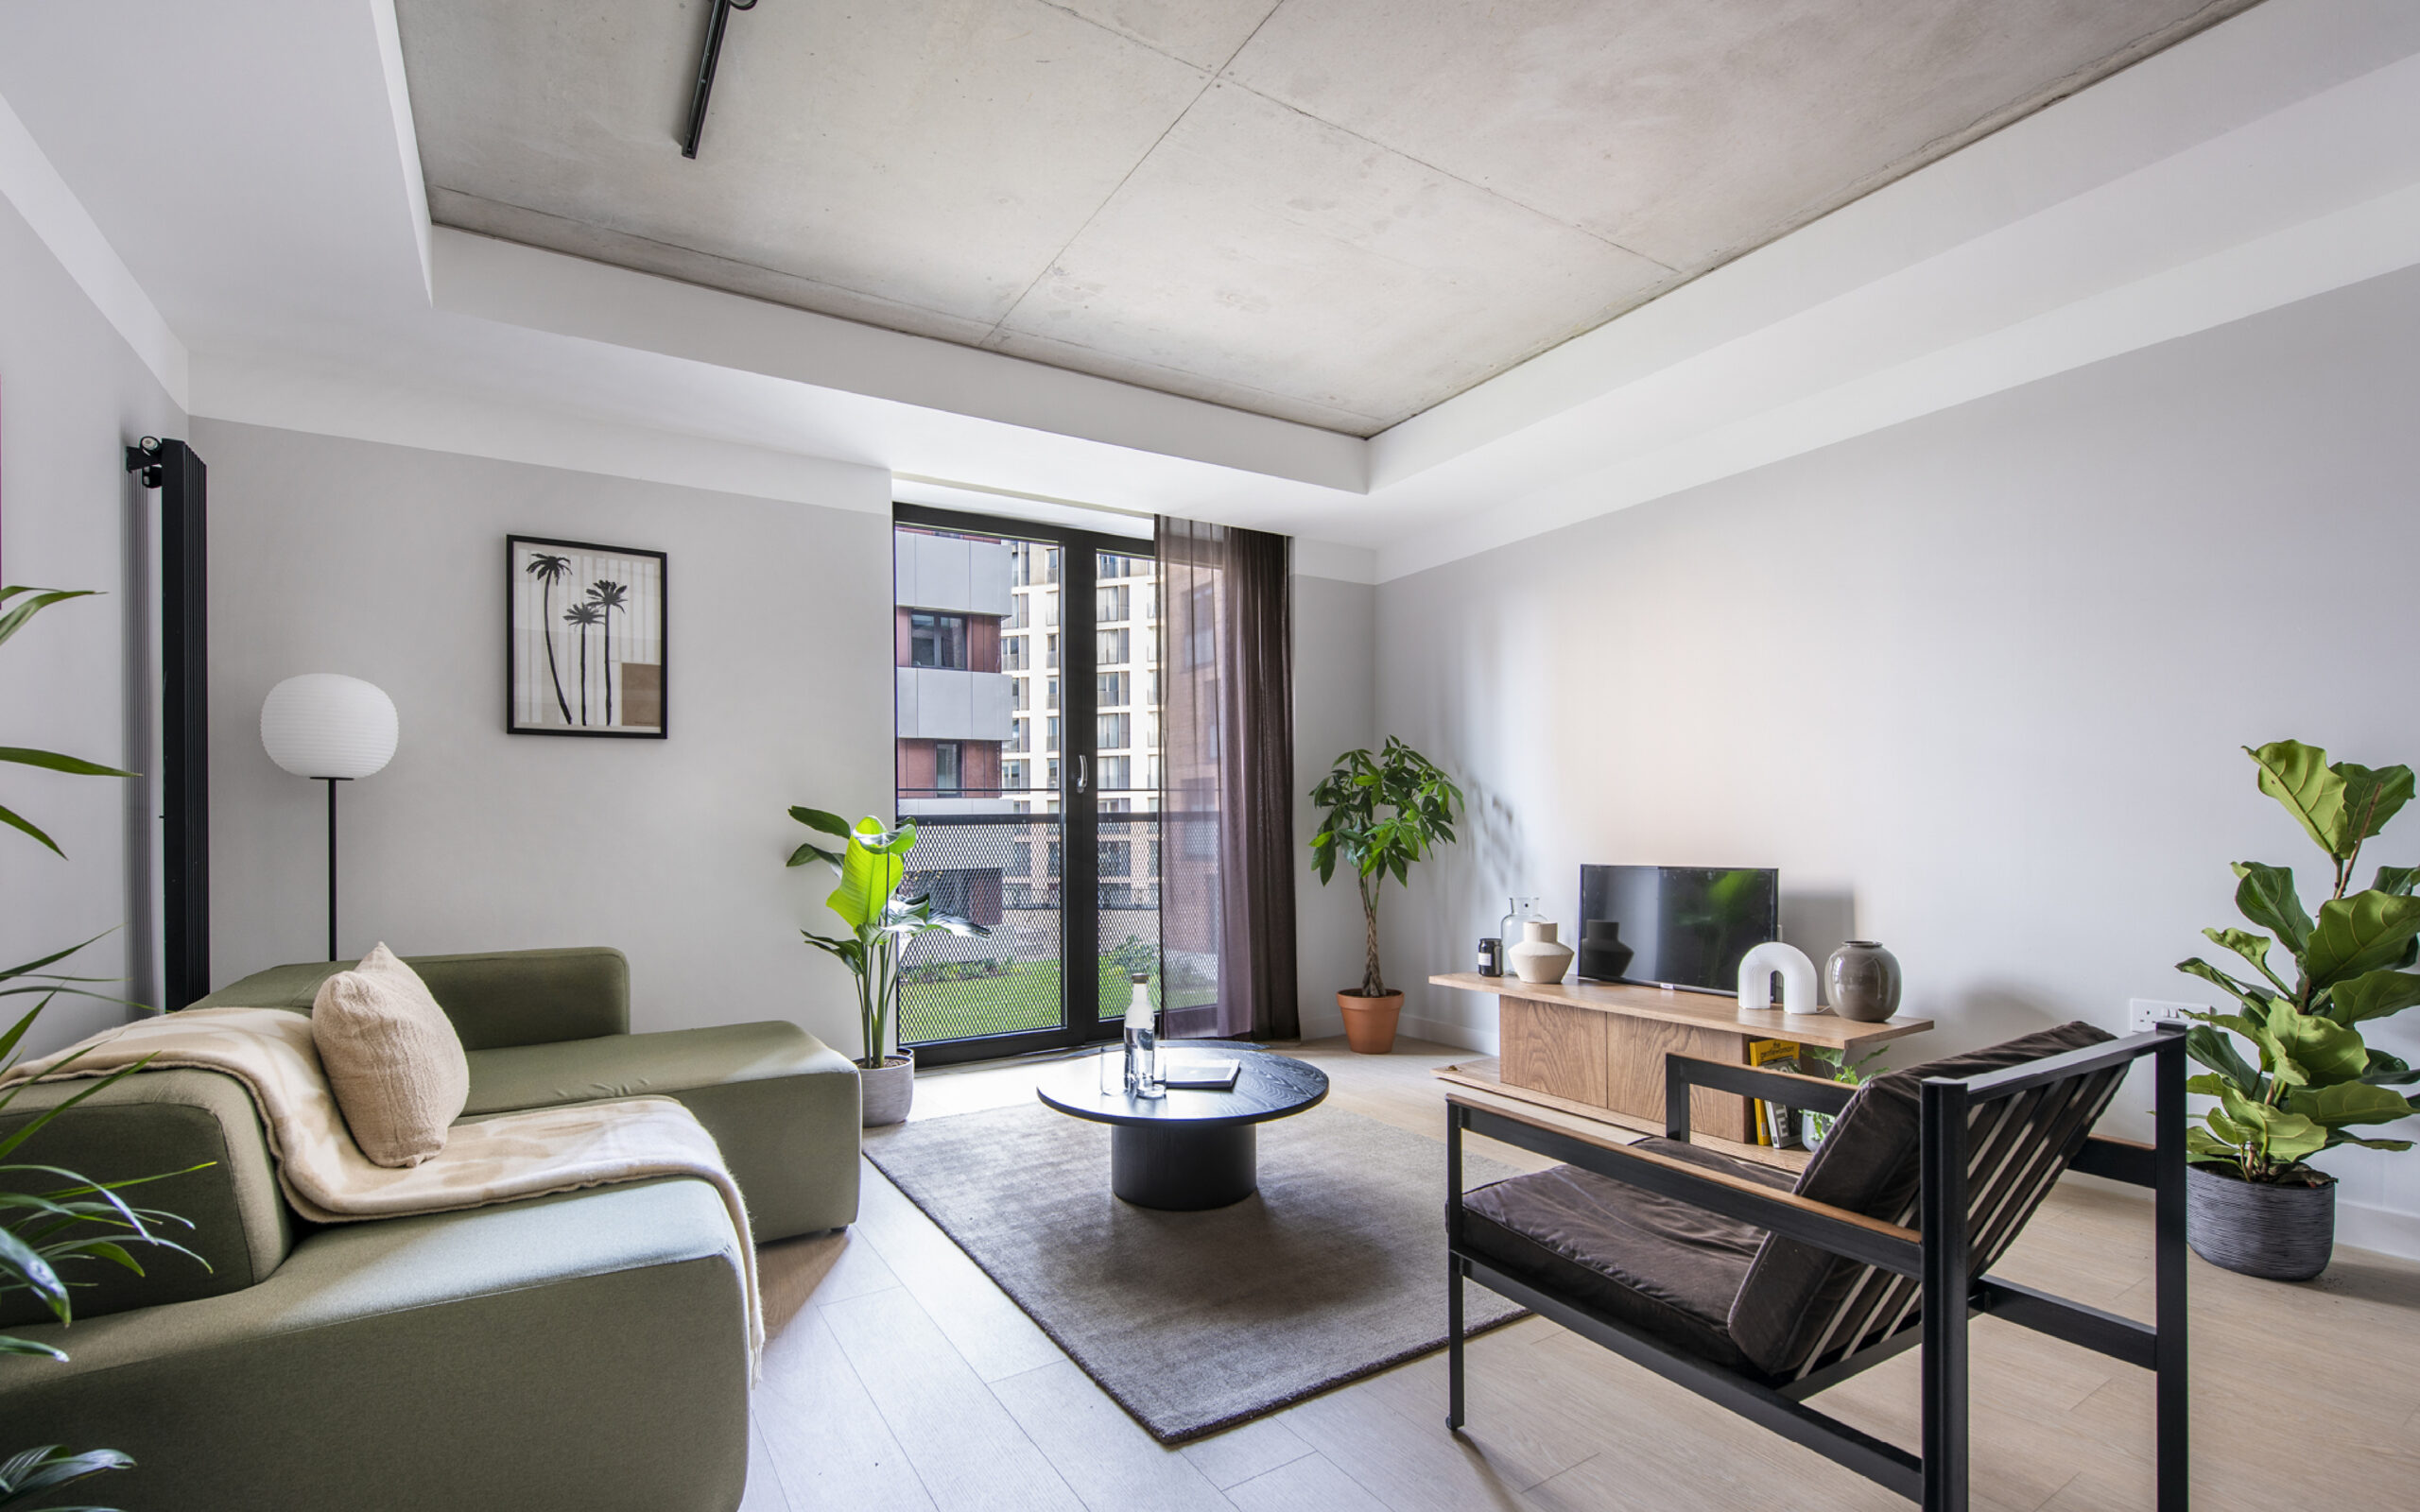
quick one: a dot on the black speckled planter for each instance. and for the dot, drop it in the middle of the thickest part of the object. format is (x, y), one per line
(2278, 1233)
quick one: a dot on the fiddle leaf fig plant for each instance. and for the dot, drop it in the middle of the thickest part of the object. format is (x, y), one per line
(871, 899)
(2309, 1080)
(1384, 812)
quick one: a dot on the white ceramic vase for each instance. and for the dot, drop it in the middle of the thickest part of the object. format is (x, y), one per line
(1540, 958)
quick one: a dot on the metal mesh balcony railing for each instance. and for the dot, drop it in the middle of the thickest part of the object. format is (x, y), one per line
(1004, 871)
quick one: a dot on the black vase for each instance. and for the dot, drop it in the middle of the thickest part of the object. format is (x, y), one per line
(1602, 955)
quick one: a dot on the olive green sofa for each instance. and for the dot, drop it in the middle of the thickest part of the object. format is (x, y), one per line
(585, 1350)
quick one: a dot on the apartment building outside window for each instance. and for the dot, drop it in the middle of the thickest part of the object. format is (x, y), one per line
(1116, 773)
(1112, 647)
(1012, 652)
(1113, 689)
(1112, 733)
(1110, 603)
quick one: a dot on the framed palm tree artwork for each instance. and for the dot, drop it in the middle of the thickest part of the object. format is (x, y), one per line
(584, 647)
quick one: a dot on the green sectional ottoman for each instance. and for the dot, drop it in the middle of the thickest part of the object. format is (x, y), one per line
(587, 1350)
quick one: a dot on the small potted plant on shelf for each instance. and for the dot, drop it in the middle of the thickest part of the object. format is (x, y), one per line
(2254, 1204)
(1384, 812)
(882, 918)
(1829, 1061)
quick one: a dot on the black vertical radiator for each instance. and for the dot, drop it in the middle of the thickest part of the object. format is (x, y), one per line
(172, 468)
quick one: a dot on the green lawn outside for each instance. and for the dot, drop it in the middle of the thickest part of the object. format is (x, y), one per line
(1023, 997)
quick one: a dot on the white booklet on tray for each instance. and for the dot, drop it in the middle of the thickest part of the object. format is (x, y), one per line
(1204, 1073)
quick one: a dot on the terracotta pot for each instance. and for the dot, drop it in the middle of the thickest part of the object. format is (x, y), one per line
(1369, 1023)
(885, 1093)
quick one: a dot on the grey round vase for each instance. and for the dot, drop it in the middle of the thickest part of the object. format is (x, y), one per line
(886, 1091)
(2277, 1232)
(1862, 981)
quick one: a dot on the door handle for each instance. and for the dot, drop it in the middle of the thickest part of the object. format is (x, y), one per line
(1084, 772)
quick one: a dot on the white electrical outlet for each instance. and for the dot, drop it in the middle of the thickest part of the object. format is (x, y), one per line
(2143, 1015)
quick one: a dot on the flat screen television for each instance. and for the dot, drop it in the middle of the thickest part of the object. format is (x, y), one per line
(1685, 926)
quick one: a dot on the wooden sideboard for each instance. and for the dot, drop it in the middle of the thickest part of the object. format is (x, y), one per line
(1601, 1045)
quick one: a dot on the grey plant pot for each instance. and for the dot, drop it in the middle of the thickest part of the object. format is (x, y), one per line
(887, 1092)
(2278, 1233)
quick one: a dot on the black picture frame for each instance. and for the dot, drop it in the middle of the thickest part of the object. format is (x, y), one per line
(536, 700)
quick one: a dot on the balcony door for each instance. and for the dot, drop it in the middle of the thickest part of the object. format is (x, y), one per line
(1028, 755)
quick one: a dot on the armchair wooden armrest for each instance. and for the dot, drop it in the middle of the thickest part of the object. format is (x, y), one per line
(1593, 1148)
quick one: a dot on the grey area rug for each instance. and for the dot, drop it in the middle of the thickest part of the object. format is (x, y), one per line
(1197, 1321)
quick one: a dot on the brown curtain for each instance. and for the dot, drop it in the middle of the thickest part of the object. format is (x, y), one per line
(1226, 671)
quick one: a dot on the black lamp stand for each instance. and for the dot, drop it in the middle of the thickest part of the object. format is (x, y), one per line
(331, 782)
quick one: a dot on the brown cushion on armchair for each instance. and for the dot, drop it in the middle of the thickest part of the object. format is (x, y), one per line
(1656, 1262)
(1870, 1164)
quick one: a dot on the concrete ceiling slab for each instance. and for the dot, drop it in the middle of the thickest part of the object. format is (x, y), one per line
(1334, 212)
(1266, 248)
(1691, 131)
(929, 153)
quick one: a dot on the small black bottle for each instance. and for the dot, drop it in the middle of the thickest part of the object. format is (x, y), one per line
(1491, 955)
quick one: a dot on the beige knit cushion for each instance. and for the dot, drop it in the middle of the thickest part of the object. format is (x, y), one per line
(393, 1058)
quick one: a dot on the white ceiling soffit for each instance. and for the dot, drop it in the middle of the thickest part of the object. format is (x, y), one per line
(1337, 212)
(2268, 159)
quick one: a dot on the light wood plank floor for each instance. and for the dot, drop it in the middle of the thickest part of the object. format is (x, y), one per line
(899, 1377)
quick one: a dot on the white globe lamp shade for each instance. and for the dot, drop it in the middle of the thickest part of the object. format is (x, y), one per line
(324, 724)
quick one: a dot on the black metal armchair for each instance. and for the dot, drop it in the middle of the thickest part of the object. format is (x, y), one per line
(1756, 1292)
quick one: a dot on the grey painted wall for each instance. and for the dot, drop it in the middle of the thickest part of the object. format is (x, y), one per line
(1335, 710)
(73, 394)
(1976, 682)
(385, 562)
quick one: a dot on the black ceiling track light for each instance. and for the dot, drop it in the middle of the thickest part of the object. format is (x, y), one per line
(718, 15)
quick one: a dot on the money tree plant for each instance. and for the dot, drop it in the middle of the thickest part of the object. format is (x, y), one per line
(2311, 1080)
(1383, 813)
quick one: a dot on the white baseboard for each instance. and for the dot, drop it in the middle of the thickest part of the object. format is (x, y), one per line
(1440, 1031)
(2381, 1228)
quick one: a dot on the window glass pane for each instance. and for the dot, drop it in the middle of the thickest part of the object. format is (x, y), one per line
(946, 767)
(1110, 651)
(1110, 688)
(936, 641)
(1112, 734)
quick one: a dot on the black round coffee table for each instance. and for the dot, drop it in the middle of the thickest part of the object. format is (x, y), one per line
(1189, 1150)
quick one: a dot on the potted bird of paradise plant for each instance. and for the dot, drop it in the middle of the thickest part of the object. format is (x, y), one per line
(52, 1221)
(882, 920)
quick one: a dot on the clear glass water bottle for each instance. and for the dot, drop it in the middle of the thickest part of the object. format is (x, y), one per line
(1143, 1078)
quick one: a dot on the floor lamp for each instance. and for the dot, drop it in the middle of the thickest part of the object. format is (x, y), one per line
(331, 729)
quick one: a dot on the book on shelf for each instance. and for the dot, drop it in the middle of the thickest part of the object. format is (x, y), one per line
(1776, 1123)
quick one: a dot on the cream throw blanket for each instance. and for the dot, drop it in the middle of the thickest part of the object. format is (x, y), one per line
(497, 1159)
